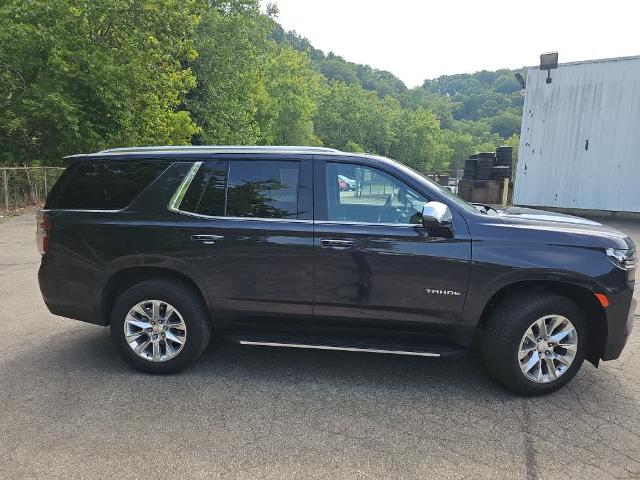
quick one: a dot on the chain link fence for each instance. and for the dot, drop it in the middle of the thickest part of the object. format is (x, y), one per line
(22, 187)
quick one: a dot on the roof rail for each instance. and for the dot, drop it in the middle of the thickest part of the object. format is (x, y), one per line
(219, 148)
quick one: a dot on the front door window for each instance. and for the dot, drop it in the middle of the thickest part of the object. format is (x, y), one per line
(362, 194)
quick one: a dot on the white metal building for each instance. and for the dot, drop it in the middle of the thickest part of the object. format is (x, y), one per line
(580, 138)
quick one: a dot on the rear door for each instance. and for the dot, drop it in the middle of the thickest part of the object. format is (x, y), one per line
(375, 263)
(246, 227)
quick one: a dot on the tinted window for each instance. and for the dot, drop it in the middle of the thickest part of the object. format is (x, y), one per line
(206, 193)
(361, 194)
(103, 185)
(263, 189)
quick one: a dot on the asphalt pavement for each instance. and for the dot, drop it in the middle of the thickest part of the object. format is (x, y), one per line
(71, 408)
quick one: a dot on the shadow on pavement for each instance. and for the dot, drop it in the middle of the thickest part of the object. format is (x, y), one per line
(260, 406)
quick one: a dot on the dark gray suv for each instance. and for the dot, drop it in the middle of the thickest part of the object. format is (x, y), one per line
(315, 248)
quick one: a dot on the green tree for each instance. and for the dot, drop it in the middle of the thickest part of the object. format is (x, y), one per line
(251, 90)
(506, 124)
(418, 141)
(293, 87)
(353, 119)
(231, 40)
(507, 84)
(80, 76)
(461, 145)
(513, 141)
(334, 68)
(96, 74)
(348, 114)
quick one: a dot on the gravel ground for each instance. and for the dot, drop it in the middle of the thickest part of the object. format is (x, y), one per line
(71, 408)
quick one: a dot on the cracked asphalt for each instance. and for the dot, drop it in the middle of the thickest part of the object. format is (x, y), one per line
(71, 408)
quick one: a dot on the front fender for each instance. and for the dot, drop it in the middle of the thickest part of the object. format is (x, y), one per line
(483, 289)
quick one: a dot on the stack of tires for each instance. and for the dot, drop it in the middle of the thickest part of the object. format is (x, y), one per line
(504, 160)
(486, 161)
(471, 168)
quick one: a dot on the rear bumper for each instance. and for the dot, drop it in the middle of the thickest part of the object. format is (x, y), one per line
(619, 327)
(65, 298)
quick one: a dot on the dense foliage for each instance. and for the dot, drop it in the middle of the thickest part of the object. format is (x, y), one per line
(81, 76)
(87, 75)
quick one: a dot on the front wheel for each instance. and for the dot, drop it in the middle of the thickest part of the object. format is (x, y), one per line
(534, 344)
(160, 326)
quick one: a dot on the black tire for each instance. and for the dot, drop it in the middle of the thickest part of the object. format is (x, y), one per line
(505, 328)
(194, 313)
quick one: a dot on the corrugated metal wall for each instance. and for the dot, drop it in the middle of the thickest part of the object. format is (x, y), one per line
(580, 138)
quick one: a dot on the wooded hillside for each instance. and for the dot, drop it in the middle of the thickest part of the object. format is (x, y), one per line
(80, 76)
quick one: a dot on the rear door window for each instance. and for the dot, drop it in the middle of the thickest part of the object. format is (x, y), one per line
(206, 194)
(103, 185)
(263, 189)
(245, 188)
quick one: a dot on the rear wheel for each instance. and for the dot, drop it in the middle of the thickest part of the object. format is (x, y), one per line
(535, 343)
(160, 326)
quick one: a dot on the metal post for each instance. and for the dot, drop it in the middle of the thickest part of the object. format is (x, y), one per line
(46, 189)
(6, 190)
(505, 192)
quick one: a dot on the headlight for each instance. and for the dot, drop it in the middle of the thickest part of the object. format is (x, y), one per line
(618, 256)
(624, 259)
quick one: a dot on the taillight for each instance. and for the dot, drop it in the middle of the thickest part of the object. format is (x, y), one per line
(43, 231)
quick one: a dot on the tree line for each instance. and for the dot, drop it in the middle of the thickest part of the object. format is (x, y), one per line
(79, 76)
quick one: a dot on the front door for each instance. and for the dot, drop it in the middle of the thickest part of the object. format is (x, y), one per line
(375, 263)
(246, 227)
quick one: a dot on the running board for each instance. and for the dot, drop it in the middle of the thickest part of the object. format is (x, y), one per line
(390, 350)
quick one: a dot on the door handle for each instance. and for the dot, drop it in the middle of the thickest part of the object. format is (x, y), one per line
(338, 244)
(206, 239)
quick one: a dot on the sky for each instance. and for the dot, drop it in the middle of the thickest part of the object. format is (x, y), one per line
(416, 40)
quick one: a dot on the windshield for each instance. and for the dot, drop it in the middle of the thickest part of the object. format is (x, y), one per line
(451, 196)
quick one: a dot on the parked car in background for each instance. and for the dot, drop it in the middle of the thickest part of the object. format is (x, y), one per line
(350, 183)
(170, 246)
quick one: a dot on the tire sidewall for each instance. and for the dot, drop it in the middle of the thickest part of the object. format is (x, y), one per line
(181, 299)
(512, 375)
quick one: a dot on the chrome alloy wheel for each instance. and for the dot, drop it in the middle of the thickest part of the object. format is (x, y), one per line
(155, 330)
(548, 348)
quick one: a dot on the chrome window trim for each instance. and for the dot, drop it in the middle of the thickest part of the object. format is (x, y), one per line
(366, 224)
(295, 220)
(217, 217)
(178, 195)
(176, 200)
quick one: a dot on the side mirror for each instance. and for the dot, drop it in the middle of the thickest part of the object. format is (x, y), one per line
(436, 215)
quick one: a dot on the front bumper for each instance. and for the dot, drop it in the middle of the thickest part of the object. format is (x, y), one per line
(619, 327)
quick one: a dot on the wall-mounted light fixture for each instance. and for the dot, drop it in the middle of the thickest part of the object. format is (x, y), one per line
(549, 61)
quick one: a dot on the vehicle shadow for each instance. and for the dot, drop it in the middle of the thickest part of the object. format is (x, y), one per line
(235, 364)
(227, 361)
(229, 367)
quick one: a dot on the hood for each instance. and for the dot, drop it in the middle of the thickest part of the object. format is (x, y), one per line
(581, 231)
(544, 216)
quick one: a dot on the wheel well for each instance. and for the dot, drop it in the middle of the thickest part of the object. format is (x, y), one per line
(124, 279)
(594, 313)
